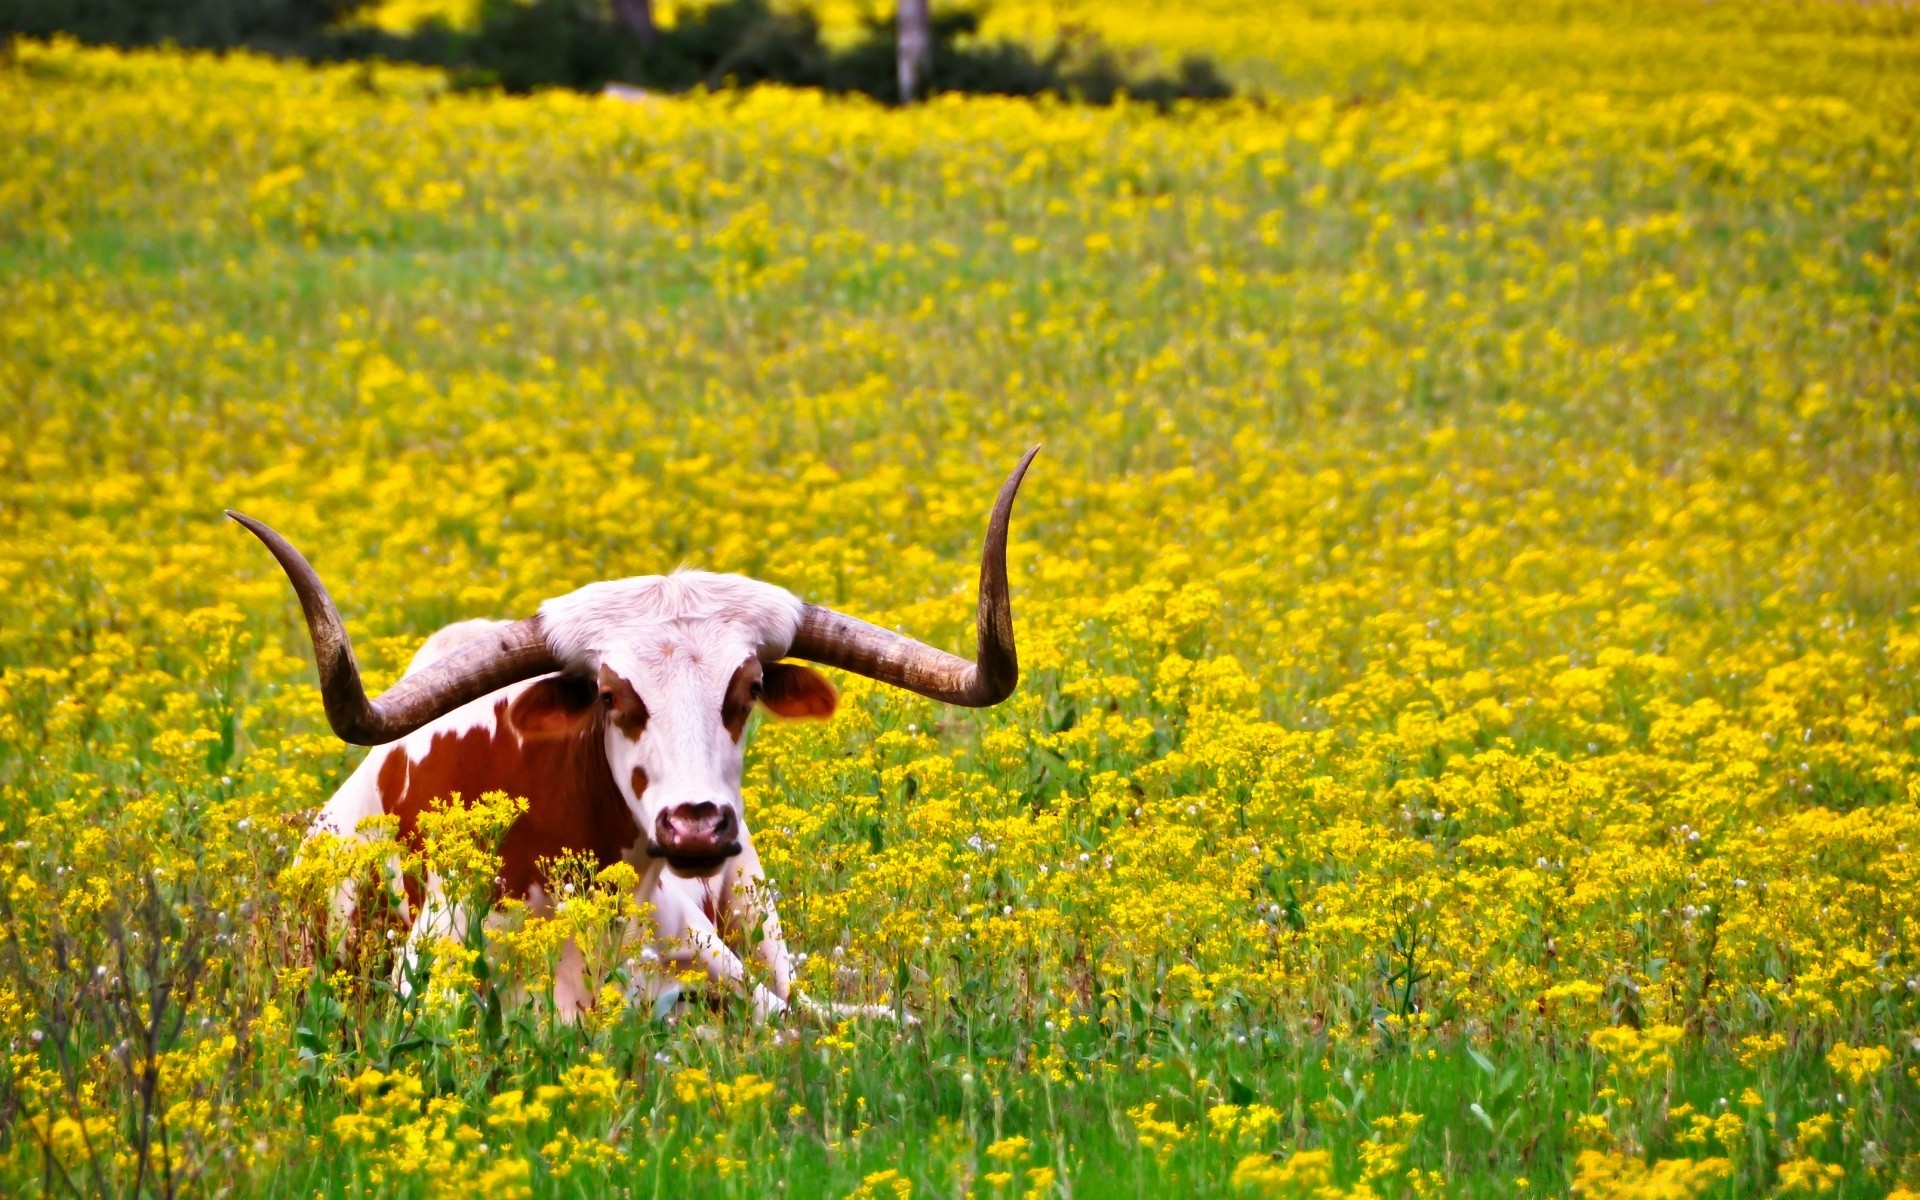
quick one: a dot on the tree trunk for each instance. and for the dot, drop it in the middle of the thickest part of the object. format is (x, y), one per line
(637, 15)
(916, 48)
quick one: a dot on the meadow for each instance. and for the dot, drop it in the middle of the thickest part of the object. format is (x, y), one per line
(1468, 601)
(1865, 53)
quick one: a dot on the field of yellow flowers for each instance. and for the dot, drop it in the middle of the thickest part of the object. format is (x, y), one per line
(1470, 604)
(1866, 52)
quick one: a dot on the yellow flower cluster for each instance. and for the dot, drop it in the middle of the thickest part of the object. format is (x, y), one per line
(1484, 48)
(400, 1138)
(1467, 601)
(1612, 1177)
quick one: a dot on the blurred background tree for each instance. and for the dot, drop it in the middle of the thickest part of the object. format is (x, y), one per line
(637, 16)
(914, 46)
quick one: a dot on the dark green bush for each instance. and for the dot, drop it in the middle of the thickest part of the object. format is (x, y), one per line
(521, 45)
(1078, 67)
(526, 44)
(295, 27)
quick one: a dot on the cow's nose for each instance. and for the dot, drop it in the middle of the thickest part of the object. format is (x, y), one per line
(696, 831)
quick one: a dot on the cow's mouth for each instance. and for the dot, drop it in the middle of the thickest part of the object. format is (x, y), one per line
(694, 860)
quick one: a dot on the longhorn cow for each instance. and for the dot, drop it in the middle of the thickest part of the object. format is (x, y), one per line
(617, 711)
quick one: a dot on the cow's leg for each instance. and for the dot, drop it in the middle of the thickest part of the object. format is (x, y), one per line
(687, 915)
(439, 918)
(570, 995)
(570, 998)
(357, 801)
(685, 912)
(750, 903)
(749, 899)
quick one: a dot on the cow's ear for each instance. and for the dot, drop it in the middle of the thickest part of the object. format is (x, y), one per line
(791, 690)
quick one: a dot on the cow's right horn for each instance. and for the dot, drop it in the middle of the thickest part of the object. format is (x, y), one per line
(509, 654)
(837, 640)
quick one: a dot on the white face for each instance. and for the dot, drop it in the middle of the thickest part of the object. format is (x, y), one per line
(676, 707)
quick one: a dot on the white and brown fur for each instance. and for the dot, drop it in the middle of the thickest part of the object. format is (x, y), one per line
(641, 762)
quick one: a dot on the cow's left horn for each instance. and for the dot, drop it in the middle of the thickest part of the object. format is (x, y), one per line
(514, 652)
(837, 640)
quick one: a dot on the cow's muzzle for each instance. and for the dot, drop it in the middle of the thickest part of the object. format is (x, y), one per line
(694, 837)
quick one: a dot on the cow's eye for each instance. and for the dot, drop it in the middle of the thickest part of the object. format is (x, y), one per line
(755, 690)
(606, 698)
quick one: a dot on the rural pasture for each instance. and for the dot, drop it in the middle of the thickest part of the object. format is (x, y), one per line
(1468, 603)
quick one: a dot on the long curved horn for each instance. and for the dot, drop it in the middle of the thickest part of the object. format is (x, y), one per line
(512, 653)
(837, 640)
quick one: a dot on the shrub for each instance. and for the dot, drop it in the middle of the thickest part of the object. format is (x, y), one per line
(293, 27)
(525, 45)
(1080, 66)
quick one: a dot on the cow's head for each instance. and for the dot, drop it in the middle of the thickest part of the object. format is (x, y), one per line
(678, 663)
(677, 759)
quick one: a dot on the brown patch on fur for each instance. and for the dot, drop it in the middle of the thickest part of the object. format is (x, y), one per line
(547, 745)
(624, 707)
(393, 779)
(639, 783)
(743, 691)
